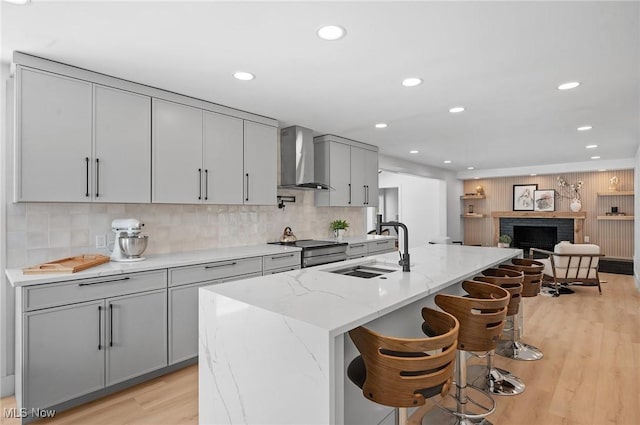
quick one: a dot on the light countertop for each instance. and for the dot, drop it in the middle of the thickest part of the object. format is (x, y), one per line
(337, 303)
(152, 262)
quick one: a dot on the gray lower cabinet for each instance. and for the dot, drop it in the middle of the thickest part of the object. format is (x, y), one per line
(183, 299)
(80, 336)
(64, 353)
(136, 335)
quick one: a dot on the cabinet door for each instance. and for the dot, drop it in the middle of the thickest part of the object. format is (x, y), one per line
(340, 175)
(223, 159)
(122, 146)
(136, 336)
(177, 153)
(358, 177)
(63, 353)
(183, 321)
(371, 178)
(260, 164)
(53, 143)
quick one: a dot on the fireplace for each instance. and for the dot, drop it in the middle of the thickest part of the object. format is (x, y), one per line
(543, 237)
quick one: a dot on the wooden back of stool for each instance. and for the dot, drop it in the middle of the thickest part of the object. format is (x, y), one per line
(397, 368)
(532, 270)
(481, 314)
(511, 280)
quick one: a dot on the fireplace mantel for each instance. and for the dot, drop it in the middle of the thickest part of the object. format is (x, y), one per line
(578, 220)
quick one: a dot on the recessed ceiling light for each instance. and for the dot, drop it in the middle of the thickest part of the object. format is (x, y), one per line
(602, 169)
(414, 151)
(477, 178)
(381, 125)
(331, 32)
(469, 168)
(585, 128)
(411, 82)
(243, 76)
(456, 109)
(568, 86)
(595, 157)
(447, 161)
(20, 2)
(533, 174)
(591, 146)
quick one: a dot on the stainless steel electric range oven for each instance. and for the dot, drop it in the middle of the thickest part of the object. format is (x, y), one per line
(315, 252)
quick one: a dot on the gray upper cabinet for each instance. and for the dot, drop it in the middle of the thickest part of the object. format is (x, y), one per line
(358, 177)
(53, 144)
(177, 153)
(223, 154)
(349, 167)
(122, 138)
(205, 157)
(260, 164)
(336, 172)
(136, 335)
(64, 353)
(80, 142)
(371, 178)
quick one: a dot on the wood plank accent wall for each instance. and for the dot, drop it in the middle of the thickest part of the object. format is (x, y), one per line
(615, 237)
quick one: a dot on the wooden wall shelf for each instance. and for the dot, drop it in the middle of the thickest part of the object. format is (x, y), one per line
(473, 197)
(618, 193)
(473, 215)
(616, 217)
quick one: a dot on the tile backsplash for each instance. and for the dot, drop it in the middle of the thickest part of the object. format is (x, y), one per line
(39, 232)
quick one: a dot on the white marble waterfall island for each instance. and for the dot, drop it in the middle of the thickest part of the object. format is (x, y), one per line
(274, 349)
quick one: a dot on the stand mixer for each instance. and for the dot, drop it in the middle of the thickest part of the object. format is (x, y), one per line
(129, 244)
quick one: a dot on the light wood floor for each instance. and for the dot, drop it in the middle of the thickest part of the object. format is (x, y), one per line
(590, 374)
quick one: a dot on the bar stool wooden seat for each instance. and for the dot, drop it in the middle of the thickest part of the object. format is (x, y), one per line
(481, 315)
(514, 348)
(404, 372)
(496, 380)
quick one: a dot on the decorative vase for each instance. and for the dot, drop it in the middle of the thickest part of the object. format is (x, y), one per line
(575, 205)
(338, 233)
(503, 245)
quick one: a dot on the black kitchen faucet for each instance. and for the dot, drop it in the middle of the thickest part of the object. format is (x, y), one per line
(404, 257)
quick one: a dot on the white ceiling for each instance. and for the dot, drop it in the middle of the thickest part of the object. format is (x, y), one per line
(502, 61)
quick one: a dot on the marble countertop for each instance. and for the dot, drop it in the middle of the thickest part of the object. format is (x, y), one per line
(152, 262)
(363, 238)
(338, 303)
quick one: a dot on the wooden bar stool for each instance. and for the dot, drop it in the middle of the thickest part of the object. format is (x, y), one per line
(515, 348)
(481, 315)
(495, 380)
(404, 372)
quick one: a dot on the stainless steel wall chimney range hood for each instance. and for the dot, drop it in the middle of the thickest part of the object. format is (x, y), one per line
(296, 160)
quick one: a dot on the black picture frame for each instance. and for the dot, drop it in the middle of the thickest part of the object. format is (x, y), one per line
(523, 197)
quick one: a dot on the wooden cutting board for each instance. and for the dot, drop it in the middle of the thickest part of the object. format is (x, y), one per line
(68, 265)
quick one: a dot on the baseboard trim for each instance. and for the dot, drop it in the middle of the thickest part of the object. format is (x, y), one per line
(7, 386)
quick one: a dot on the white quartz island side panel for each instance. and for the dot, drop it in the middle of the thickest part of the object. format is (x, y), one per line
(272, 349)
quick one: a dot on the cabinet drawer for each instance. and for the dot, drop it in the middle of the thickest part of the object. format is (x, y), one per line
(357, 250)
(54, 294)
(381, 246)
(278, 261)
(212, 271)
(281, 270)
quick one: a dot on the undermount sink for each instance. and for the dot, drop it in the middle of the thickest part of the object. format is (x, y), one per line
(362, 271)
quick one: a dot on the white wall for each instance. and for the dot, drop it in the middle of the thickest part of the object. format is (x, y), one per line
(421, 205)
(454, 188)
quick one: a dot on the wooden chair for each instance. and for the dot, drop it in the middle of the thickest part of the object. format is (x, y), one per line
(404, 372)
(496, 380)
(481, 315)
(571, 264)
(514, 348)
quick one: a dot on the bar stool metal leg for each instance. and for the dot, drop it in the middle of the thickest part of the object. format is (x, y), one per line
(463, 416)
(516, 349)
(495, 380)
